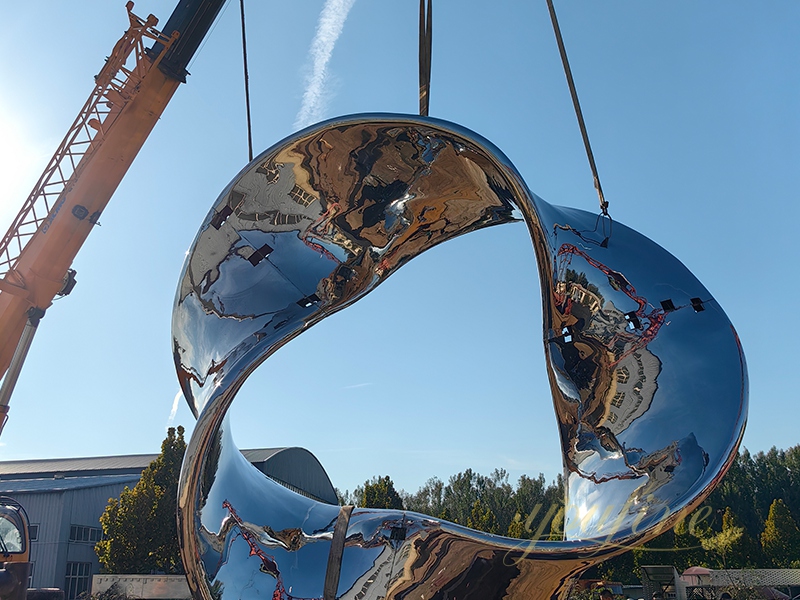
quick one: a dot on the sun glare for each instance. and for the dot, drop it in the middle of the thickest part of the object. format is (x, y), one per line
(21, 160)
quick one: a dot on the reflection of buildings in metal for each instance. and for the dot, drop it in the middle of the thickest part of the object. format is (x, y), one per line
(321, 219)
(633, 388)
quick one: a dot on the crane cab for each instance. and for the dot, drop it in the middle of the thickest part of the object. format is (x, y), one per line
(14, 539)
(14, 550)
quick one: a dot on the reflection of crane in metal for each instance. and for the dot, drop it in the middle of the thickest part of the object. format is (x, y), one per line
(268, 564)
(131, 92)
(648, 323)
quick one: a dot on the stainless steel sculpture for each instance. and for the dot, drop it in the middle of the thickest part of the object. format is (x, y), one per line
(647, 375)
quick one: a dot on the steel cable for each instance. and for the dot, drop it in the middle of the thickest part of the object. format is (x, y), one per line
(576, 104)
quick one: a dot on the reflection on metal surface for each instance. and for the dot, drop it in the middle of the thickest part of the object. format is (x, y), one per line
(647, 375)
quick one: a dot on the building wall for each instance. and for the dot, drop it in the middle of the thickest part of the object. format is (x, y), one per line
(61, 517)
(45, 511)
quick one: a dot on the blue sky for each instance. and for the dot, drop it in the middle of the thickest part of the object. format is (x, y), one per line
(692, 113)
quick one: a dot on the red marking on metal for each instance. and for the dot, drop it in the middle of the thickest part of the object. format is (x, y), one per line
(651, 321)
(268, 564)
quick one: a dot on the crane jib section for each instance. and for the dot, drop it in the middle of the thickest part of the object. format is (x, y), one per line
(115, 85)
(129, 95)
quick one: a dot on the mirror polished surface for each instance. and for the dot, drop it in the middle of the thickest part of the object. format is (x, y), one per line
(647, 375)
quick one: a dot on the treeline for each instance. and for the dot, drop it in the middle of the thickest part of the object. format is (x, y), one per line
(532, 509)
(749, 521)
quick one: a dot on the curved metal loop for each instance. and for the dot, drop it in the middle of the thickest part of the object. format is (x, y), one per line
(648, 378)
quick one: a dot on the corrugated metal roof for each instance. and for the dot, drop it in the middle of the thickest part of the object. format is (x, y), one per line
(11, 469)
(293, 467)
(97, 465)
(68, 483)
(260, 454)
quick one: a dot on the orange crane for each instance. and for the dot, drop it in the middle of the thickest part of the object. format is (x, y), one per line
(131, 92)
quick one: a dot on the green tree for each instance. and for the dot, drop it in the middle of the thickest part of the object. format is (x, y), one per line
(498, 496)
(781, 537)
(345, 497)
(739, 488)
(140, 533)
(687, 540)
(792, 493)
(429, 499)
(380, 493)
(516, 529)
(460, 494)
(482, 518)
(727, 541)
(557, 526)
(528, 500)
(769, 480)
(738, 549)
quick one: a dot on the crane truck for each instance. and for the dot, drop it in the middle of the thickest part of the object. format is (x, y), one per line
(131, 91)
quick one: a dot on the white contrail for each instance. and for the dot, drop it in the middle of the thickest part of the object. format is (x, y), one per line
(175, 402)
(356, 386)
(331, 22)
